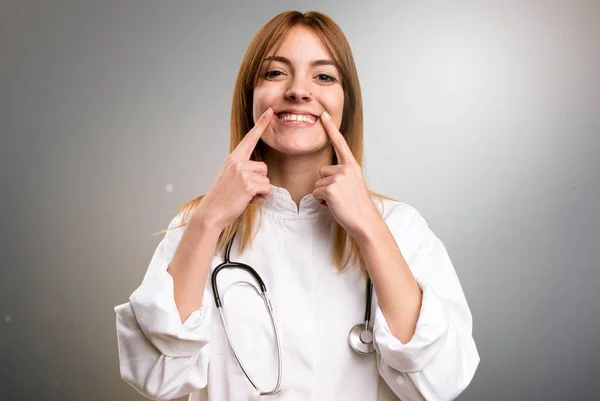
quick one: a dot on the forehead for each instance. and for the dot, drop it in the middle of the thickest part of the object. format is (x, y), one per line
(301, 44)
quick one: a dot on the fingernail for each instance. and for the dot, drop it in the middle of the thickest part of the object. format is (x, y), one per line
(326, 116)
(268, 112)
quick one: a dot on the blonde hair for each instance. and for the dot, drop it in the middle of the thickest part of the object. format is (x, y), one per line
(266, 39)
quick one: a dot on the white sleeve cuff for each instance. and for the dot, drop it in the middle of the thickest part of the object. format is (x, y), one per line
(428, 339)
(157, 314)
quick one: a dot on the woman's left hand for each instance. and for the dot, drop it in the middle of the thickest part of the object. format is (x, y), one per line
(342, 187)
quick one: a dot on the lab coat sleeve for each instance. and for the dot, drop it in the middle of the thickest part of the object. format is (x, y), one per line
(441, 358)
(160, 356)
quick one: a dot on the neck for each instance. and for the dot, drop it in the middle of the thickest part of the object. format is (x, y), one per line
(296, 173)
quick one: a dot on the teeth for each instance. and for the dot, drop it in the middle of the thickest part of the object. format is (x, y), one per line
(299, 118)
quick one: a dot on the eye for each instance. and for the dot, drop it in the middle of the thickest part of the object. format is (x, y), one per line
(272, 74)
(326, 78)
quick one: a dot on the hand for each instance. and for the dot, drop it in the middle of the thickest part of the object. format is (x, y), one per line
(240, 181)
(342, 187)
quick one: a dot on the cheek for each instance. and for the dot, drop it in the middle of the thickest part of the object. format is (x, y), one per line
(334, 102)
(257, 104)
(264, 96)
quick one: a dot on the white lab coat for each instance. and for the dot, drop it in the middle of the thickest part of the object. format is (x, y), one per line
(314, 306)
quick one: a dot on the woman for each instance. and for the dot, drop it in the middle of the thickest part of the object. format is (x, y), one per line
(292, 189)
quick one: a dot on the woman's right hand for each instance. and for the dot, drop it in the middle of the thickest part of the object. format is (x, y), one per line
(240, 181)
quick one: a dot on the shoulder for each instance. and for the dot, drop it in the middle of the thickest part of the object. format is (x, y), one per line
(399, 215)
(174, 229)
(176, 221)
(408, 226)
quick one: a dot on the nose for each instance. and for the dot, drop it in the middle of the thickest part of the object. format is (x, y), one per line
(298, 91)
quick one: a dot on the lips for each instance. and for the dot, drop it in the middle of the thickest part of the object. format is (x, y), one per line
(296, 121)
(296, 112)
(296, 117)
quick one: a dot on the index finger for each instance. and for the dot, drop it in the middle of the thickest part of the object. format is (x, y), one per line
(248, 143)
(342, 150)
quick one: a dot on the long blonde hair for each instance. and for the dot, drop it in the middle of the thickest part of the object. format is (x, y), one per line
(267, 38)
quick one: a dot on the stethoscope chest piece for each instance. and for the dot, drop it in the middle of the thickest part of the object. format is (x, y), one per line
(361, 339)
(361, 336)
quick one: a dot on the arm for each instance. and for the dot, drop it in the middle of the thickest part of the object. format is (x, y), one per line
(191, 262)
(423, 325)
(163, 331)
(399, 295)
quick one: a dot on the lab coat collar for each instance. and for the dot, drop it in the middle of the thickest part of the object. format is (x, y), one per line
(280, 202)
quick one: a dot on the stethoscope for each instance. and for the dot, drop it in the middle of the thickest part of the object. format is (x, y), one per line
(360, 337)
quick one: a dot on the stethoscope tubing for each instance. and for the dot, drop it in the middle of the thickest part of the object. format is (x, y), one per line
(355, 337)
(263, 293)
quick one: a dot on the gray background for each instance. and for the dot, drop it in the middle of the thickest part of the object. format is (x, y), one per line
(485, 117)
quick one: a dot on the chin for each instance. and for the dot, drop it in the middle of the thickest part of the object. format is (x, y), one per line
(297, 149)
(296, 143)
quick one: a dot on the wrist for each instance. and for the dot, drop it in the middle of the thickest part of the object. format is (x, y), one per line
(206, 222)
(370, 231)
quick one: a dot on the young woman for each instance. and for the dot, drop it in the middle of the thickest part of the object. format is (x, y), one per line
(290, 279)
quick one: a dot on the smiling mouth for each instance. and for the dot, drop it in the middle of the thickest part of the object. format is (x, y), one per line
(296, 119)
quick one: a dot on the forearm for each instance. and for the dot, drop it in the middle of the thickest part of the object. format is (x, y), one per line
(398, 293)
(191, 264)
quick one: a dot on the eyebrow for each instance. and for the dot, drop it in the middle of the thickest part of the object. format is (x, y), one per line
(288, 62)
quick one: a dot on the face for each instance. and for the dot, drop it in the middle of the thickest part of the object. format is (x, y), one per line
(299, 81)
